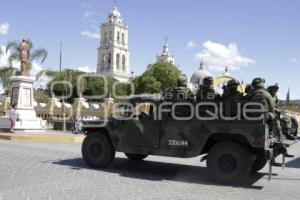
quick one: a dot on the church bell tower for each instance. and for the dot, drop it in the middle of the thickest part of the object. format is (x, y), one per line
(113, 53)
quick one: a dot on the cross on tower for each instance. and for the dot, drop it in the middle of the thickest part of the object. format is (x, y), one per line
(166, 40)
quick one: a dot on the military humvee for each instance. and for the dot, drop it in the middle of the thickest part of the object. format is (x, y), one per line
(232, 148)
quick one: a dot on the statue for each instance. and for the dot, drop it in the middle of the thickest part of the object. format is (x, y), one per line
(24, 58)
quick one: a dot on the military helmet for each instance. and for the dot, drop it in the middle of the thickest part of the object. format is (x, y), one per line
(274, 88)
(232, 84)
(208, 80)
(258, 82)
(182, 80)
(248, 88)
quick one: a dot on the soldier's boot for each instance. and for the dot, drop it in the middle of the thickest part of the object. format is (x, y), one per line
(284, 151)
(275, 164)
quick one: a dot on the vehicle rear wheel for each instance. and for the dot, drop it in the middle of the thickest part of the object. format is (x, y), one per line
(133, 156)
(294, 129)
(97, 151)
(229, 163)
(259, 162)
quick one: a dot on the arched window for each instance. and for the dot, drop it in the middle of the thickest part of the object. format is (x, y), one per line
(123, 62)
(103, 59)
(105, 37)
(118, 37)
(111, 36)
(109, 60)
(123, 38)
(118, 61)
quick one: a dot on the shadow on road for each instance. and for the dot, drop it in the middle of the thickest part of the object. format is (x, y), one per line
(295, 163)
(157, 171)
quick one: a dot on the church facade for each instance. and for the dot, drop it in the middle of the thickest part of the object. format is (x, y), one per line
(113, 52)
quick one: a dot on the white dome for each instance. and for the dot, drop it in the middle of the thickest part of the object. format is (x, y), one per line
(199, 75)
(115, 16)
(115, 12)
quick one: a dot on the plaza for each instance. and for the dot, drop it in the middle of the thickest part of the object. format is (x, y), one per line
(30, 170)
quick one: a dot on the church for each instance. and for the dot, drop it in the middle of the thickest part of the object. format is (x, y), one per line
(113, 52)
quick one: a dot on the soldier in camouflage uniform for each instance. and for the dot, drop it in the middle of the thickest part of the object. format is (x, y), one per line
(285, 120)
(248, 92)
(261, 95)
(232, 93)
(231, 97)
(181, 91)
(206, 91)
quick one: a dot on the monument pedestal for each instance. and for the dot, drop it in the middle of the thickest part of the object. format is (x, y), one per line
(22, 97)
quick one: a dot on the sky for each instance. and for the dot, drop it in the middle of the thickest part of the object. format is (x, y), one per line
(255, 38)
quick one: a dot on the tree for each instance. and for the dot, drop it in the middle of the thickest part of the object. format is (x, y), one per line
(37, 54)
(62, 89)
(5, 74)
(159, 77)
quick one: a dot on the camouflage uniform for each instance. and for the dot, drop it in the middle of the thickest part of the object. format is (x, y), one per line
(283, 119)
(261, 95)
(248, 92)
(231, 97)
(206, 91)
(181, 92)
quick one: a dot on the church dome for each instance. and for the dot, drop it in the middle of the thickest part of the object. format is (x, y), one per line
(115, 15)
(199, 75)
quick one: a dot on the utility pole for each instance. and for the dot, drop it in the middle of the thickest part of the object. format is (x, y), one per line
(60, 55)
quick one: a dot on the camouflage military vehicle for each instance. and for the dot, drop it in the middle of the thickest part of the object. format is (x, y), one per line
(232, 148)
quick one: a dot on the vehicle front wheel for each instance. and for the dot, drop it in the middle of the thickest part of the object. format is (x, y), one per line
(260, 161)
(97, 151)
(133, 156)
(229, 163)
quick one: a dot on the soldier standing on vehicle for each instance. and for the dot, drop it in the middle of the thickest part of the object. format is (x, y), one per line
(206, 91)
(232, 91)
(285, 120)
(248, 92)
(261, 95)
(231, 98)
(181, 91)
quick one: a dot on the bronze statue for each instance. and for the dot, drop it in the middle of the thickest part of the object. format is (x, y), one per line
(24, 57)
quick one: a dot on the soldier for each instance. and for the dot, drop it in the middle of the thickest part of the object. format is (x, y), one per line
(206, 91)
(231, 97)
(232, 92)
(285, 120)
(261, 95)
(248, 92)
(181, 91)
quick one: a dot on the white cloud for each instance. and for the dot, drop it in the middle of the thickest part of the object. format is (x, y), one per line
(4, 58)
(191, 45)
(89, 17)
(4, 28)
(216, 56)
(294, 60)
(90, 34)
(86, 69)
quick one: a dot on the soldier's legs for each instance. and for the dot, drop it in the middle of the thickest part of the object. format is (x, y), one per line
(278, 130)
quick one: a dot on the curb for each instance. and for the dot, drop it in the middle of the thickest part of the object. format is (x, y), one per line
(42, 138)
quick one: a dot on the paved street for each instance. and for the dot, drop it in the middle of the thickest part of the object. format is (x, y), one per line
(56, 171)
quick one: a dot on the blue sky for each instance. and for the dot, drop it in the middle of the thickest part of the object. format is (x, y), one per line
(265, 32)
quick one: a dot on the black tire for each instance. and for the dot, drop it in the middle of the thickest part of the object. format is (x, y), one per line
(97, 151)
(294, 130)
(260, 161)
(137, 157)
(229, 163)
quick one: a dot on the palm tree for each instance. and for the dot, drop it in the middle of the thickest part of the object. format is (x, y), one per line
(37, 54)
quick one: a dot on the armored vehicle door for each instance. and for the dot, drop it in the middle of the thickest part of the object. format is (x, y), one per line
(177, 134)
(144, 131)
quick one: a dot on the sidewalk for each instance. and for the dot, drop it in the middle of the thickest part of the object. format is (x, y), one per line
(47, 136)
